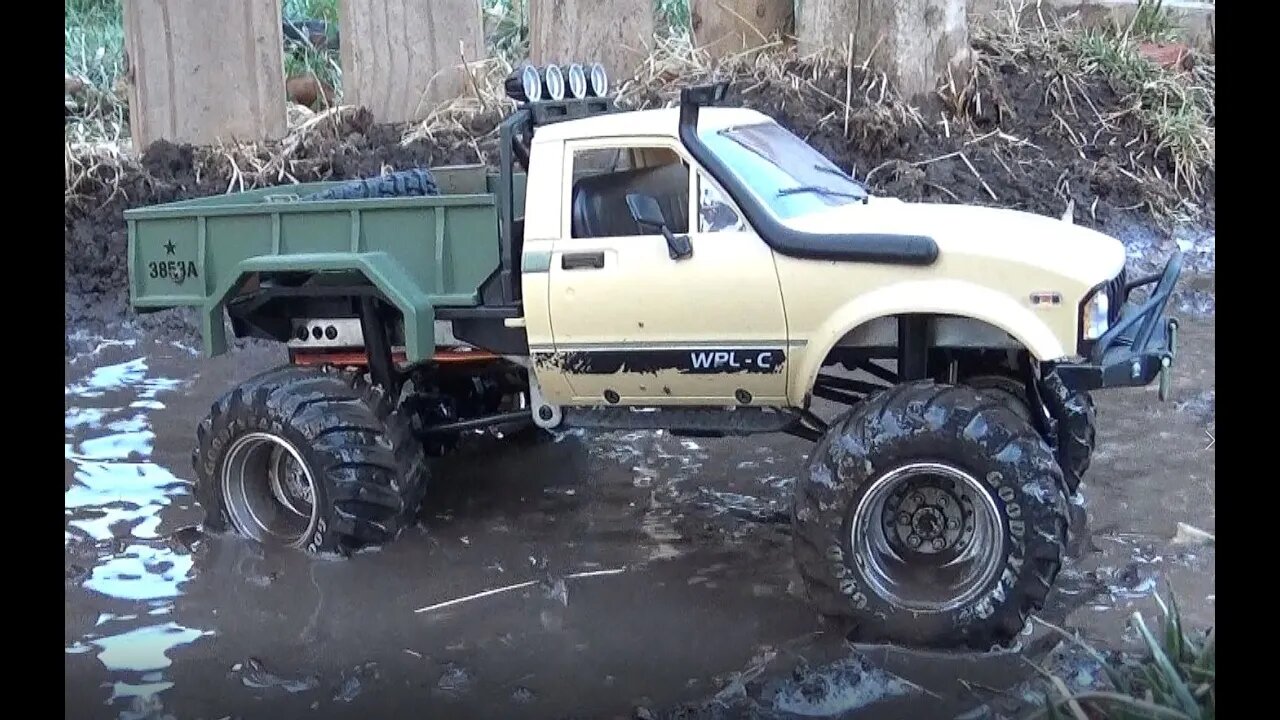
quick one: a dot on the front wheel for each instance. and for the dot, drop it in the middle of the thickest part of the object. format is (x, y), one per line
(930, 516)
(1074, 409)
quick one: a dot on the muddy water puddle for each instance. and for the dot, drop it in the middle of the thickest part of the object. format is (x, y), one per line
(114, 500)
(586, 577)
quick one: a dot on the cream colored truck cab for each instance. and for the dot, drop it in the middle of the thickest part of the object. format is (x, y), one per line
(613, 318)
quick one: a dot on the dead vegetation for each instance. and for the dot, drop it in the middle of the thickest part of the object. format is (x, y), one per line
(1175, 677)
(1135, 83)
(1050, 119)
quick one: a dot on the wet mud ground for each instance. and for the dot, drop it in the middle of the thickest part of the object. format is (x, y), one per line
(689, 606)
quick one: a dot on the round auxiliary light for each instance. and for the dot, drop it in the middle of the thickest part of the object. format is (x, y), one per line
(577, 81)
(554, 82)
(525, 86)
(597, 80)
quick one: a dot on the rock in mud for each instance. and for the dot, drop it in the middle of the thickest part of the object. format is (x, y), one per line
(834, 689)
(1191, 535)
(254, 674)
(76, 574)
(744, 507)
(146, 708)
(186, 538)
(1203, 405)
(455, 680)
(523, 695)
(354, 683)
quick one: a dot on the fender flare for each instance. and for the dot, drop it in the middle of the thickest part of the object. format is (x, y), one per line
(933, 297)
(377, 267)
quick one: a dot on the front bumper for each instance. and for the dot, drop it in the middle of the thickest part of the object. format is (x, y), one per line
(1140, 347)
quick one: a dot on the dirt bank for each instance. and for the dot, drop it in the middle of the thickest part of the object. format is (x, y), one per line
(1009, 141)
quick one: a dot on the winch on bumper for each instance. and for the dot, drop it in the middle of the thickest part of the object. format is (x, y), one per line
(1138, 347)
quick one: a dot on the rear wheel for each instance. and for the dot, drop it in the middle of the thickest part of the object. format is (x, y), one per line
(930, 516)
(315, 459)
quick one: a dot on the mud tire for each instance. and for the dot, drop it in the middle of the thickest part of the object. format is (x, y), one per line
(1076, 434)
(956, 425)
(406, 183)
(369, 472)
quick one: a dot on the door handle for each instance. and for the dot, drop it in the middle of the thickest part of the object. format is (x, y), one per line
(578, 261)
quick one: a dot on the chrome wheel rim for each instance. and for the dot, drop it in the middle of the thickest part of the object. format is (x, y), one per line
(927, 537)
(268, 490)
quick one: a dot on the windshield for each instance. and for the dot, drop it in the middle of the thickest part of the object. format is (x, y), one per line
(784, 172)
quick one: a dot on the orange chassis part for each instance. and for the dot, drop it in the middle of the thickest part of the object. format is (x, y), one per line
(348, 358)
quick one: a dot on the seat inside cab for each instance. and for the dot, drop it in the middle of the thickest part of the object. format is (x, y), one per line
(604, 178)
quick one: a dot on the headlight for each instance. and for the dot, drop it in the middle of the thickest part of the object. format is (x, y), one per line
(1095, 316)
(597, 80)
(524, 86)
(577, 78)
(554, 82)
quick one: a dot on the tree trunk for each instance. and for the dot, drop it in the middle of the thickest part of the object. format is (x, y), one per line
(724, 27)
(913, 41)
(615, 33)
(203, 72)
(401, 58)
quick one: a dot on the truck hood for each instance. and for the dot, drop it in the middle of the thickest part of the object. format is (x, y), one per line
(1002, 236)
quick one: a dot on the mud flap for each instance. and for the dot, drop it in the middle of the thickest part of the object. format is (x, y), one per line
(213, 330)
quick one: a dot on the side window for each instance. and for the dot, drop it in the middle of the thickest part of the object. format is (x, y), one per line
(715, 212)
(602, 179)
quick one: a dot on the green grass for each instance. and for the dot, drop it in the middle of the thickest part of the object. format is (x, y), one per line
(1175, 679)
(508, 31)
(1152, 22)
(1177, 107)
(93, 54)
(675, 13)
(326, 10)
(304, 59)
(93, 48)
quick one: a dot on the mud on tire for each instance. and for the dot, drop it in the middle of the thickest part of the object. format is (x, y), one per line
(1012, 477)
(406, 183)
(1076, 433)
(265, 442)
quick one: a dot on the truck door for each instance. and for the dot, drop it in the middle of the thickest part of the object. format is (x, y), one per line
(628, 319)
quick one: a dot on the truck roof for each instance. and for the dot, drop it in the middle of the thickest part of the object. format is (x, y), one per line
(662, 122)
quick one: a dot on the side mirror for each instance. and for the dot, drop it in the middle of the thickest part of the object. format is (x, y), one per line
(648, 213)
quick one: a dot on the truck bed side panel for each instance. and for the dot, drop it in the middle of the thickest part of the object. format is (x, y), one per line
(193, 253)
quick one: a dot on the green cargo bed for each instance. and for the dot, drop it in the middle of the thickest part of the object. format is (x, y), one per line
(421, 252)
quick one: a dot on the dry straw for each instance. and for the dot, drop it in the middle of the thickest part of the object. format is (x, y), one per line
(1164, 118)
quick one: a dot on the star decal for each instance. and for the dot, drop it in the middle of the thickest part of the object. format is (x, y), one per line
(170, 248)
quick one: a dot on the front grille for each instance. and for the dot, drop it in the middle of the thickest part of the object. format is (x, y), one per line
(1115, 296)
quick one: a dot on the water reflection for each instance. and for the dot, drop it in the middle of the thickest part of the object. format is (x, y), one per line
(114, 503)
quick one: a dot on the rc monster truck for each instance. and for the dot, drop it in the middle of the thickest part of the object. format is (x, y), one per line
(698, 269)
